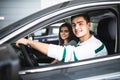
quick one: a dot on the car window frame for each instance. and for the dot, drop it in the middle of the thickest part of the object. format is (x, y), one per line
(83, 10)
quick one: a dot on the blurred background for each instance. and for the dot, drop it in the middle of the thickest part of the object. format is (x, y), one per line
(14, 10)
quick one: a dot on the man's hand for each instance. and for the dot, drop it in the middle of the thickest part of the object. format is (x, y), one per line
(22, 41)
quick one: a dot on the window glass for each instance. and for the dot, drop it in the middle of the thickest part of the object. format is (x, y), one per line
(40, 32)
(93, 27)
(55, 31)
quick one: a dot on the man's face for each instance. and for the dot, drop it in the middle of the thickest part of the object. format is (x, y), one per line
(80, 27)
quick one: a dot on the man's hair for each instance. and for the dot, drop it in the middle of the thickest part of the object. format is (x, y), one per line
(85, 16)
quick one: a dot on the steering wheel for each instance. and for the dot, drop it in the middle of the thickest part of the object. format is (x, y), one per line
(29, 58)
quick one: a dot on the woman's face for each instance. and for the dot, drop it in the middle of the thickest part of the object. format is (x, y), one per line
(64, 33)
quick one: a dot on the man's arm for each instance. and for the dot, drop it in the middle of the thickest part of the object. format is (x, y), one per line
(42, 47)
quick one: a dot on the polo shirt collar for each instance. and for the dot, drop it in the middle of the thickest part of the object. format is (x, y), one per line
(82, 43)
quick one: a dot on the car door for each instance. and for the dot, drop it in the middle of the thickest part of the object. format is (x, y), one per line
(97, 68)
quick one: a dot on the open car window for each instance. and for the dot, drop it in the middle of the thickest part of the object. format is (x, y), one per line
(103, 27)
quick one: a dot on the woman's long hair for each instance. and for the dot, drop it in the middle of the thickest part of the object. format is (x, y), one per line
(71, 35)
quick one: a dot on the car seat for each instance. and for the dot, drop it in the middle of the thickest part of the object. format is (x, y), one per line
(106, 32)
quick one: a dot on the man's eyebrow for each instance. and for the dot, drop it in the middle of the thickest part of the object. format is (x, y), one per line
(78, 22)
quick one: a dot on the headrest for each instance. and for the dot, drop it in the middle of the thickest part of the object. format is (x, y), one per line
(107, 28)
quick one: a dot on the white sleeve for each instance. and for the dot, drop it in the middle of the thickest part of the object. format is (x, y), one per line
(55, 51)
(60, 52)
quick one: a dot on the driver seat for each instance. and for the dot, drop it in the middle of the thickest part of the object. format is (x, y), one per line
(106, 32)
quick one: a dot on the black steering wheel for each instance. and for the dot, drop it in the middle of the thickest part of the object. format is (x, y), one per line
(28, 57)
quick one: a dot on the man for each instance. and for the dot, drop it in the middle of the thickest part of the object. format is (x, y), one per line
(87, 47)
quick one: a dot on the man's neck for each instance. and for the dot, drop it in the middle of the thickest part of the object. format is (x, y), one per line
(84, 38)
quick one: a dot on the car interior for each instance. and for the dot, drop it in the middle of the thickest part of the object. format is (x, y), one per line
(108, 33)
(103, 26)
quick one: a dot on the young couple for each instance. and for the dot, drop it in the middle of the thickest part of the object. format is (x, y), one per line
(87, 47)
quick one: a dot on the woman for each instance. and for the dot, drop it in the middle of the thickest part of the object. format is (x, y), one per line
(66, 37)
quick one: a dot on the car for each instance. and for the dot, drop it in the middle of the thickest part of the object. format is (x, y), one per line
(26, 63)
